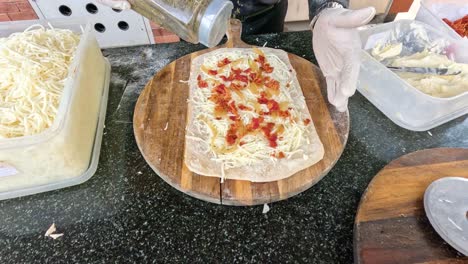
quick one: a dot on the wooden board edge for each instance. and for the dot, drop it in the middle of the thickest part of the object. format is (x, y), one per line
(357, 223)
(391, 166)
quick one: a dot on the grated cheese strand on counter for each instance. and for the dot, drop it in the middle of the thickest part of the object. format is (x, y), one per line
(34, 68)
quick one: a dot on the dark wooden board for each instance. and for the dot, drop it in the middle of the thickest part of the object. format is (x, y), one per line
(160, 119)
(391, 225)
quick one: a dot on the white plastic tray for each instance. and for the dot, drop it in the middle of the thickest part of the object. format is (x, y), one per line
(94, 158)
(67, 153)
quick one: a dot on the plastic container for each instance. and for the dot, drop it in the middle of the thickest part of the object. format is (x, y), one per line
(403, 104)
(432, 12)
(66, 153)
(203, 21)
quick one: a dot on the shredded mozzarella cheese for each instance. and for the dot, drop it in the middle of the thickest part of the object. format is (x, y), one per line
(255, 147)
(34, 68)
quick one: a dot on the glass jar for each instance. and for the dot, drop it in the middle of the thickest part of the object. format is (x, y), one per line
(195, 21)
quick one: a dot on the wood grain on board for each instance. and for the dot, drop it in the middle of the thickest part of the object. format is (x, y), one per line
(160, 119)
(391, 225)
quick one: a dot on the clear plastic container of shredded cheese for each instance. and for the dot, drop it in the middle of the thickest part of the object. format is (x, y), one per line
(405, 105)
(66, 153)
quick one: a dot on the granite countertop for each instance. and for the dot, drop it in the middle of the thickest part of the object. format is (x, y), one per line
(127, 214)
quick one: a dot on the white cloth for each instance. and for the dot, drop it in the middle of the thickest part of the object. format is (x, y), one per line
(117, 4)
(337, 46)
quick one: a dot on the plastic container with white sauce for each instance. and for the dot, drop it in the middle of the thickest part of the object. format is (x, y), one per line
(67, 153)
(405, 105)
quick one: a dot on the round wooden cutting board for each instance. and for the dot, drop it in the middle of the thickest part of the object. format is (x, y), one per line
(160, 119)
(391, 225)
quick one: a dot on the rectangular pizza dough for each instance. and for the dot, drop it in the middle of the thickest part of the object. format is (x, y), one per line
(245, 163)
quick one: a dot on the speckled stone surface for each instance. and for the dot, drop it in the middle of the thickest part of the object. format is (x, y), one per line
(127, 214)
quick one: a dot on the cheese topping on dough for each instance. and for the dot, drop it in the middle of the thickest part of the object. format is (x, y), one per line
(34, 67)
(244, 107)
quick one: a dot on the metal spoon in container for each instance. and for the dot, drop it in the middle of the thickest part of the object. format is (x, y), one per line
(424, 70)
(446, 206)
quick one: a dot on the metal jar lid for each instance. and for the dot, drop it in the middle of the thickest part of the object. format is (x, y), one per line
(214, 23)
(446, 205)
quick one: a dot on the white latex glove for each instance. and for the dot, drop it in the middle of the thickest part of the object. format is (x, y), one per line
(117, 4)
(337, 46)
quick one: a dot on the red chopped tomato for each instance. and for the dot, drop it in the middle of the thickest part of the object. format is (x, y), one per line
(236, 71)
(262, 99)
(231, 135)
(267, 68)
(248, 70)
(233, 109)
(233, 118)
(244, 108)
(227, 79)
(221, 97)
(212, 72)
(307, 121)
(281, 155)
(242, 143)
(283, 114)
(256, 123)
(224, 62)
(266, 131)
(221, 89)
(201, 82)
(273, 105)
(272, 139)
(272, 84)
(221, 104)
(236, 86)
(268, 128)
(258, 81)
(260, 59)
(231, 139)
(242, 78)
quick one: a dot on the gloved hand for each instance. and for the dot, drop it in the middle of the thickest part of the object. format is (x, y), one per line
(337, 46)
(117, 4)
